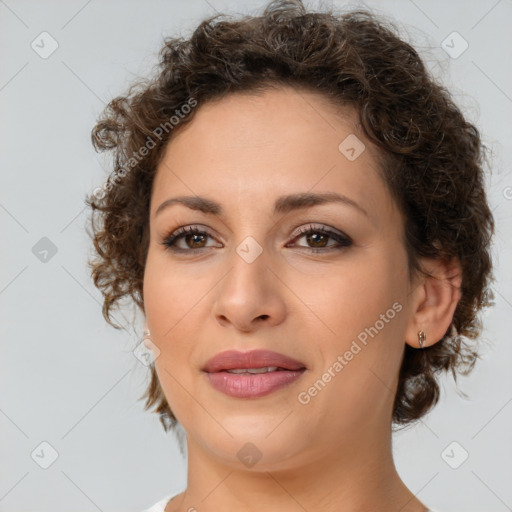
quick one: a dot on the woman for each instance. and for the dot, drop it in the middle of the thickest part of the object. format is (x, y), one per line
(298, 210)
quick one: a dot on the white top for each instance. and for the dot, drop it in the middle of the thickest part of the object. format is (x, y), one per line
(160, 505)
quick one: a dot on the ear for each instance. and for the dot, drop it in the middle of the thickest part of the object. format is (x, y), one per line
(434, 300)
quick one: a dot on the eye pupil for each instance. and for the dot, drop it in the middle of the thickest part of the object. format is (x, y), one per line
(194, 236)
(315, 235)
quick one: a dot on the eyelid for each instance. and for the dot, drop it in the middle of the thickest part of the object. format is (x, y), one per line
(310, 226)
(342, 240)
(185, 229)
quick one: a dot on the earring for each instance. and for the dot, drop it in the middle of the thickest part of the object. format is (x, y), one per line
(146, 336)
(421, 338)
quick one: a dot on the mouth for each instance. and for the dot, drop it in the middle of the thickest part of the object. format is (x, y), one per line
(252, 374)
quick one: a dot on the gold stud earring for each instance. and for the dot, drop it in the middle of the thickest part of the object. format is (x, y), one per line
(421, 338)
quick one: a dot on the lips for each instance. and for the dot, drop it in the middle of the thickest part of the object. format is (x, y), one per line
(234, 359)
(244, 385)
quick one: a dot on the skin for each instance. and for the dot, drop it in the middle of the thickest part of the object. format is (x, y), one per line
(244, 151)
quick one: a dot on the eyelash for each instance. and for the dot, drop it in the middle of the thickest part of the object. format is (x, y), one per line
(343, 240)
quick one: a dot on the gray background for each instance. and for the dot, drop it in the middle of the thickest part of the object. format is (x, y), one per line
(69, 379)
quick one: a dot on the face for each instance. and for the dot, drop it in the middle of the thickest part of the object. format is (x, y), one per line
(325, 284)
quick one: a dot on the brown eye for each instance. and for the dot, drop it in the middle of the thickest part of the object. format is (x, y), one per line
(318, 238)
(194, 239)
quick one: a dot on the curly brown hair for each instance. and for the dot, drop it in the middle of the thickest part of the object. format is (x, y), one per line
(432, 158)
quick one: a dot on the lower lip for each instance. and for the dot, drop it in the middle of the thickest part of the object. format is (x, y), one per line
(253, 385)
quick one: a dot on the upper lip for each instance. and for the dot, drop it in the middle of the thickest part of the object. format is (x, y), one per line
(233, 359)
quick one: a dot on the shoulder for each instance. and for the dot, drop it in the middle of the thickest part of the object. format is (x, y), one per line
(159, 506)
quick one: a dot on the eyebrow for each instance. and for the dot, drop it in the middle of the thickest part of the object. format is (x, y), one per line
(282, 205)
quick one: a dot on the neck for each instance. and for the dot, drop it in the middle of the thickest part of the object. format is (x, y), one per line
(353, 477)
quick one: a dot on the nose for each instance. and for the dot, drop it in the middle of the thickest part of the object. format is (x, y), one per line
(250, 295)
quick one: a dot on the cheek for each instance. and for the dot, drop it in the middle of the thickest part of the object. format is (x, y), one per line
(362, 319)
(172, 309)
(169, 301)
(351, 298)
(168, 293)
(359, 352)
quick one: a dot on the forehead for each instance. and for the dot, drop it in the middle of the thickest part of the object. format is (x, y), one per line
(249, 146)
